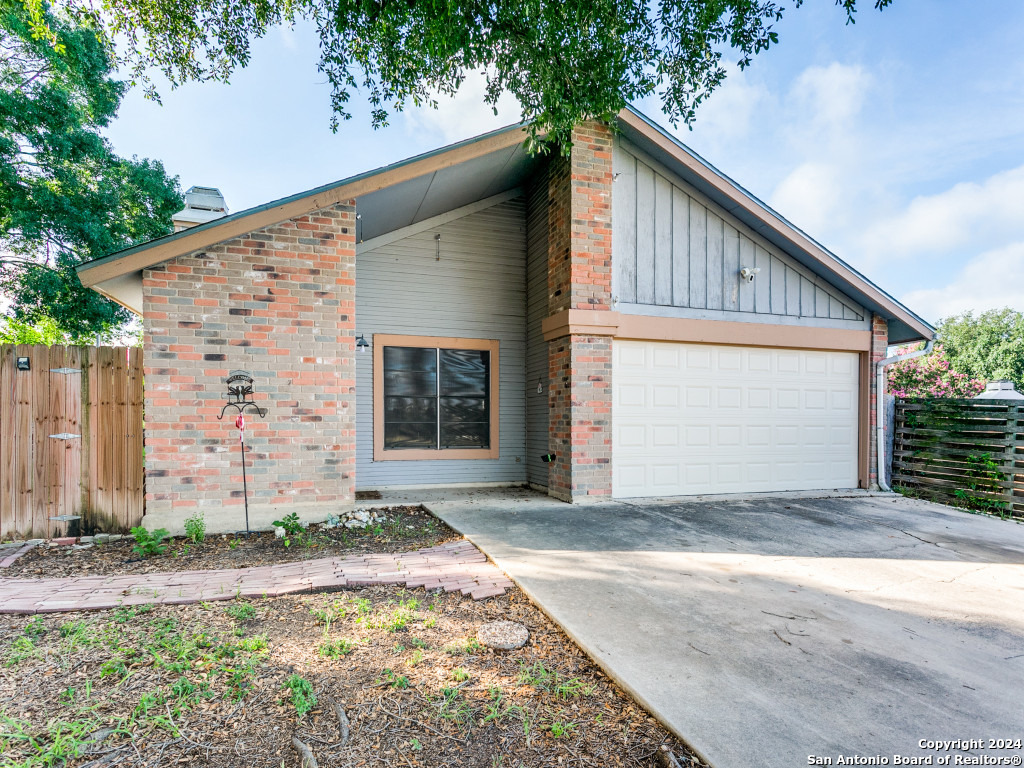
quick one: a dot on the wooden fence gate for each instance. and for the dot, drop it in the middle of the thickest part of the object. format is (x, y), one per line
(70, 440)
(966, 452)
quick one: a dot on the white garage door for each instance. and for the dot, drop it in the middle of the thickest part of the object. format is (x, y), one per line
(698, 418)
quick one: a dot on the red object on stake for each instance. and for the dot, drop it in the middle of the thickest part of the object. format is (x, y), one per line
(239, 391)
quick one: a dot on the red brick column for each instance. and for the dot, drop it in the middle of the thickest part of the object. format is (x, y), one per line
(879, 344)
(278, 303)
(579, 278)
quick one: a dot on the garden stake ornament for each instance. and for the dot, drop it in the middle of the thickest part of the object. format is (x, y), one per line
(239, 397)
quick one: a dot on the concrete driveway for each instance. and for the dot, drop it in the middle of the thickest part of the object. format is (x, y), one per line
(765, 632)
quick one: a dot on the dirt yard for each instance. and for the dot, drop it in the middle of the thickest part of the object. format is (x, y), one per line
(231, 683)
(378, 675)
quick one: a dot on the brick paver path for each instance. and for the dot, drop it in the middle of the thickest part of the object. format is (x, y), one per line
(457, 565)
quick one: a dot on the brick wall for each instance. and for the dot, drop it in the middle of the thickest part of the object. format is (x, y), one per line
(879, 344)
(579, 277)
(278, 303)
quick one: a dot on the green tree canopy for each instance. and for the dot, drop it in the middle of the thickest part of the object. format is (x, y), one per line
(989, 346)
(564, 60)
(65, 196)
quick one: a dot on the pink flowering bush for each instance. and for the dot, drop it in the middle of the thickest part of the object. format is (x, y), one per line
(930, 376)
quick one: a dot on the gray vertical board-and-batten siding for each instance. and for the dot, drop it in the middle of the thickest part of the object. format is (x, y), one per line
(537, 408)
(477, 289)
(677, 254)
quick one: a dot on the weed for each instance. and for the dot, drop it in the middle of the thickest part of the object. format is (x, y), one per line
(35, 627)
(114, 668)
(572, 688)
(149, 543)
(415, 745)
(463, 647)
(560, 729)
(363, 605)
(333, 649)
(195, 528)
(460, 674)
(537, 675)
(396, 681)
(60, 743)
(77, 633)
(241, 611)
(549, 680)
(253, 644)
(233, 544)
(21, 649)
(397, 649)
(431, 622)
(416, 658)
(451, 706)
(418, 643)
(126, 613)
(332, 612)
(302, 693)
(396, 621)
(147, 702)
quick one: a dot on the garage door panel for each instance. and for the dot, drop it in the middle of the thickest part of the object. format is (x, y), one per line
(691, 419)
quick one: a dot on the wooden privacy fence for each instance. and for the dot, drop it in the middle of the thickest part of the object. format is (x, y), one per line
(966, 452)
(70, 440)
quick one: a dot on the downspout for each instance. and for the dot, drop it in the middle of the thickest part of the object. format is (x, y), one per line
(880, 387)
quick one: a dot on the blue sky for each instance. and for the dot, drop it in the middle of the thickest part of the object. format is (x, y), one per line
(898, 142)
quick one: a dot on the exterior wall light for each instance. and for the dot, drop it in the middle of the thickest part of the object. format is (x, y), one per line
(749, 273)
(361, 343)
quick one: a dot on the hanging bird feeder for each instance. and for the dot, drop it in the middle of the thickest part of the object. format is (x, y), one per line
(240, 398)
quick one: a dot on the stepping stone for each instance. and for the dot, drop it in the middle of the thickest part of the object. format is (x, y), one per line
(503, 635)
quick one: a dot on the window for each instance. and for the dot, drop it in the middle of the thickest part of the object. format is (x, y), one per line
(435, 398)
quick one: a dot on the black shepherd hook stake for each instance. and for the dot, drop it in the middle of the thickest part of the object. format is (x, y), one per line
(239, 392)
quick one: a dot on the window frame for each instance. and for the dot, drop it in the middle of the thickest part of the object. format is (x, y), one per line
(380, 453)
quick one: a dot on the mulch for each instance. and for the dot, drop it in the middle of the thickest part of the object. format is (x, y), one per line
(405, 528)
(403, 666)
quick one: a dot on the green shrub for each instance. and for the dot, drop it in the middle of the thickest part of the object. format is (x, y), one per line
(149, 543)
(302, 694)
(195, 528)
(290, 523)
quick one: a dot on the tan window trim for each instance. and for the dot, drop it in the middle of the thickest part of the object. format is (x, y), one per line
(381, 340)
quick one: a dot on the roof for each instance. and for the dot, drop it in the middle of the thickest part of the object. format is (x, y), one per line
(405, 193)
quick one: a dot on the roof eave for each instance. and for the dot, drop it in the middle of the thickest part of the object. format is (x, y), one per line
(234, 225)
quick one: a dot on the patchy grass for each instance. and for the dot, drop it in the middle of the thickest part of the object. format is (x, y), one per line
(177, 685)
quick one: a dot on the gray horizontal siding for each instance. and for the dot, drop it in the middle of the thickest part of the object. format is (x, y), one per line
(476, 290)
(536, 348)
(673, 248)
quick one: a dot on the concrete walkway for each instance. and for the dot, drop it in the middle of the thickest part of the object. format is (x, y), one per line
(457, 565)
(764, 632)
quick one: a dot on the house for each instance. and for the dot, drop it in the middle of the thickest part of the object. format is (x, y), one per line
(624, 322)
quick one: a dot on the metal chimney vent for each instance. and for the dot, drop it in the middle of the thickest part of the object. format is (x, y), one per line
(202, 204)
(999, 390)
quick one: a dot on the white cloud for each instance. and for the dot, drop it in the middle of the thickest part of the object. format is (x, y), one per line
(830, 97)
(991, 280)
(968, 215)
(464, 115)
(728, 115)
(810, 196)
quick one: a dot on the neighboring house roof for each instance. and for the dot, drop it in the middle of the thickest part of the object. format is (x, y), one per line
(427, 185)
